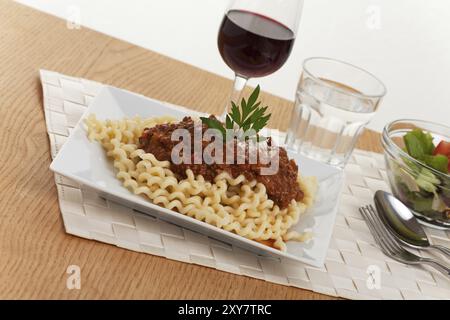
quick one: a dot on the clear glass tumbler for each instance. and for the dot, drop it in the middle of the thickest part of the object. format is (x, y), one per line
(334, 102)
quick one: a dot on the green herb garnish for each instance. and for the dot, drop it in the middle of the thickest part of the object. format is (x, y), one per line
(249, 117)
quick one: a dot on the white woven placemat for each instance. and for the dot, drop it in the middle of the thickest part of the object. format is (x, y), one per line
(355, 268)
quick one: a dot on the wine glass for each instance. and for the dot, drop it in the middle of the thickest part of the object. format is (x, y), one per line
(256, 38)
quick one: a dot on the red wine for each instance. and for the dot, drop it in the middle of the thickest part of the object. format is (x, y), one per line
(253, 45)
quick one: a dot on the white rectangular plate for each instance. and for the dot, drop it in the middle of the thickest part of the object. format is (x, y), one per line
(86, 162)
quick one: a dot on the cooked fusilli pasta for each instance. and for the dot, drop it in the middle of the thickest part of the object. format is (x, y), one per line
(233, 204)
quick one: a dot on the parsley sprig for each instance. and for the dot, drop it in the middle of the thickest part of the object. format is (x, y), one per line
(249, 117)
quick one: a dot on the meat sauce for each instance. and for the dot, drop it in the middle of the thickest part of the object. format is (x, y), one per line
(281, 187)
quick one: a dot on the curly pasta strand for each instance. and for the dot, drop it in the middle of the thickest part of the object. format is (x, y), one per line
(233, 204)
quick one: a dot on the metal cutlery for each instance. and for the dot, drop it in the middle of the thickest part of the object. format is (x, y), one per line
(391, 247)
(399, 219)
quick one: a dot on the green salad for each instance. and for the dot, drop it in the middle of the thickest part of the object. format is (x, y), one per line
(422, 189)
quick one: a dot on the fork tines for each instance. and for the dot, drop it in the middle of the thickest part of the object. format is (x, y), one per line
(383, 238)
(391, 247)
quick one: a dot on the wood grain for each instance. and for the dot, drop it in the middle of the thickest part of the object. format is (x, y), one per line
(35, 250)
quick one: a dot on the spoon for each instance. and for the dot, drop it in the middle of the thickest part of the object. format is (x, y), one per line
(401, 222)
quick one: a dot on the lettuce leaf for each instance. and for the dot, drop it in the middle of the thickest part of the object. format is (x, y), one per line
(438, 162)
(418, 144)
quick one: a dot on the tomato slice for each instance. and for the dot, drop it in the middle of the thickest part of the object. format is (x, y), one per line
(442, 148)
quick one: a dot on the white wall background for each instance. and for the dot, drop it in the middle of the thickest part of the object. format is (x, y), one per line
(406, 43)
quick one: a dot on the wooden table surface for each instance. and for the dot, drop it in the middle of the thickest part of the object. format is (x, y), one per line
(34, 249)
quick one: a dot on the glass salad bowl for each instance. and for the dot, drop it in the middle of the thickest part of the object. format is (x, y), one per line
(417, 168)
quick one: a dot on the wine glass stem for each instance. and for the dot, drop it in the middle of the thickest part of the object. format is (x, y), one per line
(236, 93)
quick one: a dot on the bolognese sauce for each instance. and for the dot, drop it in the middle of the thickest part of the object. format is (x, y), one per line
(281, 187)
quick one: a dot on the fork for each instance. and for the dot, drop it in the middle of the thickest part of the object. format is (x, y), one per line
(391, 247)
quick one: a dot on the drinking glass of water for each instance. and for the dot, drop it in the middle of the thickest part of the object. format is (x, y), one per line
(334, 102)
